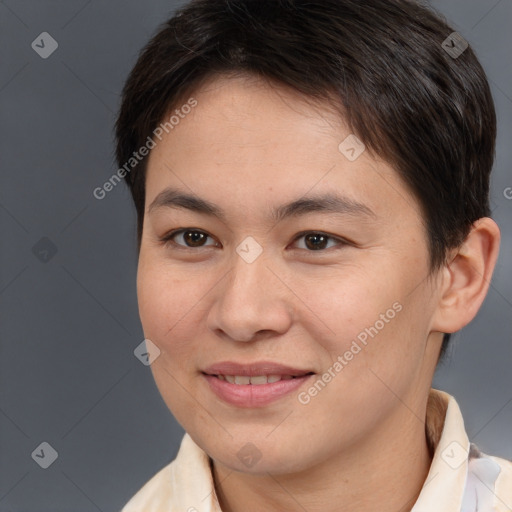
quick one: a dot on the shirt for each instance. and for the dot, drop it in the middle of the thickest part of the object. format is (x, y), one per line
(460, 479)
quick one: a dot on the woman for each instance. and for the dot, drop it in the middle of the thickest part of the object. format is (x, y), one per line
(311, 181)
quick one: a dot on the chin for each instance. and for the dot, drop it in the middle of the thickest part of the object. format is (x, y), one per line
(258, 457)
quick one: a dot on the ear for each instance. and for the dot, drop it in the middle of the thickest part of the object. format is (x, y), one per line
(467, 276)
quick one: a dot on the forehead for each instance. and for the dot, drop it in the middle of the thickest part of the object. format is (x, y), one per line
(248, 143)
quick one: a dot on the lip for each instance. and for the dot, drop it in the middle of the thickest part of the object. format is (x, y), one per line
(249, 395)
(254, 369)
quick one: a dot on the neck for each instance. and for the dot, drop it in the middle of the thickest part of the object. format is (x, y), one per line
(384, 473)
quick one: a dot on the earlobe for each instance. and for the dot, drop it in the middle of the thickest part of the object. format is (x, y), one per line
(467, 276)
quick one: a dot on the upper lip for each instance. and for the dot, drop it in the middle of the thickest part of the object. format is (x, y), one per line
(253, 369)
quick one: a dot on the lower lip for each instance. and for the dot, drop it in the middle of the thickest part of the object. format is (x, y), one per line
(250, 395)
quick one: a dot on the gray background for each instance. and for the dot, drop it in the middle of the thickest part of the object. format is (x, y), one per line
(69, 325)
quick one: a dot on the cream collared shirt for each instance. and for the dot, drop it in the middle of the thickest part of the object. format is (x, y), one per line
(461, 478)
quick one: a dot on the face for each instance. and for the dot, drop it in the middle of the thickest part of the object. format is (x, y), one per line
(292, 260)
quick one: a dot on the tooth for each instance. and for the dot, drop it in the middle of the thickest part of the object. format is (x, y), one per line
(259, 379)
(242, 379)
(221, 377)
(273, 378)
(286, 377)
(230, 378)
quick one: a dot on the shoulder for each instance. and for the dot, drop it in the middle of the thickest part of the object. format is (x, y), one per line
(503, 483)
(184, 484)
(488, 483)
(154, 494)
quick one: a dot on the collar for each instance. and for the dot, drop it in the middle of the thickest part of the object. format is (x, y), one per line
(443, 489)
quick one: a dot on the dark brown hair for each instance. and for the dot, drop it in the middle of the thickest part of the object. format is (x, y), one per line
(428, 113)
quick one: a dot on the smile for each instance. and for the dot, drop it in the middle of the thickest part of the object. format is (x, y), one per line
(254, 391)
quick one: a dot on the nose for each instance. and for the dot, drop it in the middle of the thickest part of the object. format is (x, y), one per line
(251, 302)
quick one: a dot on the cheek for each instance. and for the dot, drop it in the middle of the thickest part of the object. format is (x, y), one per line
(169, 304)
(375, 329)
(347, 309)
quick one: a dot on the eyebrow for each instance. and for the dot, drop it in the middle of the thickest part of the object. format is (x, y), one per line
(321, 203)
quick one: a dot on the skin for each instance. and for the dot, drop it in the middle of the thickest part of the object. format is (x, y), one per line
(248, 147)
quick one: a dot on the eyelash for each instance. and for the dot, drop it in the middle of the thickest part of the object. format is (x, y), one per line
(167, 239)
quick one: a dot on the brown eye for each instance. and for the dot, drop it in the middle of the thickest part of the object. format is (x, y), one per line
(315, 241)
(194, 238)
(191, 238)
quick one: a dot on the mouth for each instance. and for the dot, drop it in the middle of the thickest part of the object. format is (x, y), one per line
(253, 385)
